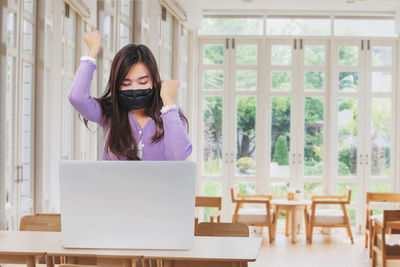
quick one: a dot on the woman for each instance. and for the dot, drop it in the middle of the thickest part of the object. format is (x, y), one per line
(137, 111)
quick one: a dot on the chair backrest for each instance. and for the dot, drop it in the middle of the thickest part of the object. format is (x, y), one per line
(383, 197)
(391, 219)
(235, 195)
(209, 202)
(222, 229)
(41, 222)
(347, 195)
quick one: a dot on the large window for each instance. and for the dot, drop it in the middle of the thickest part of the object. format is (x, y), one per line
(298, 108)
(19, 107)
(299, 25)
(165, 44)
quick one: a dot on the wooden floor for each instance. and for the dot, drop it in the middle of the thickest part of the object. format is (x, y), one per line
(325, 251)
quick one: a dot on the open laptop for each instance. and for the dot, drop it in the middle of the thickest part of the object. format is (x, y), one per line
(127, 204)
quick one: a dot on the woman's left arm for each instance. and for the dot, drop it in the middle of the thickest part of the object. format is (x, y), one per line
(176, 141)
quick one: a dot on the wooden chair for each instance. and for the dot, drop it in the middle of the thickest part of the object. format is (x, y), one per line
(49, 222)
(208, 202)
(329, 217)
(222, 229)
(253, 217)
(386, 245)
(369, 226)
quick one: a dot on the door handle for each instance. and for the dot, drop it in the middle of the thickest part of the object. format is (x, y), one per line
(299, 158)
(366, 159)
(360, 159)
(18, 176)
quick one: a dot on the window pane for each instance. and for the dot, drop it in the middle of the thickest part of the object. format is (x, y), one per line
(347, 136)
(380, 188)
(381, 81)
(28, 37)
(108, 32)
(213, 54)
(210, 189)
(213, 79)
(313, 189)
(232, 26)
(278, 190)
(29, 5)
(9, 131)
(11, 29)
(381, 115)
(71, 59)
(348, 55)
(26, 135)
(126, 7)
(167, 64)
(246, 54)
(381, 56)
(110, 2)
(281, 80)
(106, 72)
(246, 135)
(348, 81)
(168, 31)
(364, 27)
(280, 136)
(353, 187)
(314, 136)
(124, 35)
(246, 79)
(314, 81)
(212, 131)
(314, 55)
(246, 188)
(299, 26)
(71, 27)
(281, 54)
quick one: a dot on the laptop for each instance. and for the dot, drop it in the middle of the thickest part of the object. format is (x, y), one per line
(127, 204)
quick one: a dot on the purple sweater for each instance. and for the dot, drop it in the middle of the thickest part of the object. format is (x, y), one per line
(175, 144)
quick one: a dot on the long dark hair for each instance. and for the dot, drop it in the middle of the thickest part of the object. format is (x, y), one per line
(121, 141)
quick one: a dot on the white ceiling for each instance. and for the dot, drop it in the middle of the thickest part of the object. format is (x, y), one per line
(196, 8)
(359, 5)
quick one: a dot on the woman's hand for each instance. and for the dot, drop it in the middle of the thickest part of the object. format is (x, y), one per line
(94, 42)
(168, 91)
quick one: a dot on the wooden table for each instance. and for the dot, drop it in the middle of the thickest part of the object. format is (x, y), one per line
(291, 207)
(235, 250)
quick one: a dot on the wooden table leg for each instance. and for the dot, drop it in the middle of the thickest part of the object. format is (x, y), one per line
(49, 261)
(294, 225)
(306, 222)
(114, 262)
(287, 232)
(30, 261)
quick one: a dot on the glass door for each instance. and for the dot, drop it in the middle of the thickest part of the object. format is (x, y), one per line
(311, 139)
(281, 99)
(348, 102)
(20, 112)
(213, 97)
(364, 98)
(244, 85)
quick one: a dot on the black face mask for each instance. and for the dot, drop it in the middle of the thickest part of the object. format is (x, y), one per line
(135, 99)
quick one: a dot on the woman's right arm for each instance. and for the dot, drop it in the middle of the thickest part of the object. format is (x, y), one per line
(79, 96)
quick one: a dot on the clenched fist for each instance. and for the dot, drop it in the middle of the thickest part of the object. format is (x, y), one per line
(168, 91)
(94, 42)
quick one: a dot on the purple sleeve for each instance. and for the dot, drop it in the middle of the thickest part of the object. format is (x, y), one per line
(176, 141)
(79, 96)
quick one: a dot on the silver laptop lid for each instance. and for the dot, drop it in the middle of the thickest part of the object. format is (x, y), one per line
(127, 204)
